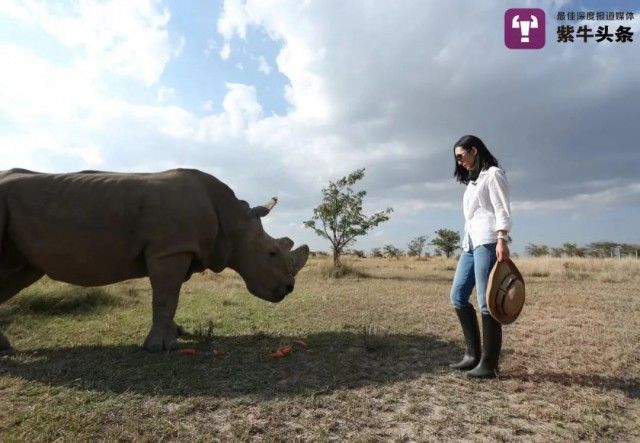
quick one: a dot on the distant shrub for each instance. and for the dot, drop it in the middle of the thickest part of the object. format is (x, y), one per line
(391, 251)
(540, 274)
(327, 270)
(356, 252)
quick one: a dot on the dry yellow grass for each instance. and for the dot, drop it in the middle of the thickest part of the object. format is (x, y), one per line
(607, 270)
(382, 337)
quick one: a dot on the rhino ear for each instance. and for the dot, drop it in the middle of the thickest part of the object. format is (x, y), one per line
(286, 243)
(261, 211)
(300, 256)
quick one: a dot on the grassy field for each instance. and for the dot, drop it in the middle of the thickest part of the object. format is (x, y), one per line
(380, 340)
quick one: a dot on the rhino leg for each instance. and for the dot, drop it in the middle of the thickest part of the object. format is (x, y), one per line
(10, 285)
(166, 275)
(180, 331)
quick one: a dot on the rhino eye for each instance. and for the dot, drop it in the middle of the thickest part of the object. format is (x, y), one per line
(273, 253)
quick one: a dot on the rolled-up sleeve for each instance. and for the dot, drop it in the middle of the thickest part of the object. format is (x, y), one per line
(499, 195)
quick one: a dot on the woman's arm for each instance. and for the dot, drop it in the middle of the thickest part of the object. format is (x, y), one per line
(499, 195)
(502, 248)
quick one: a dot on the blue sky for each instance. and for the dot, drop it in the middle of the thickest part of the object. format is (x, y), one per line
(203, 73)
(278, 97)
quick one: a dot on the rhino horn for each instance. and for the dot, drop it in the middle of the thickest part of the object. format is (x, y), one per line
(261, 211)
(300, 256)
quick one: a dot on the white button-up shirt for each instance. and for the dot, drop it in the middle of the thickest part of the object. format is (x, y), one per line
(487, 208)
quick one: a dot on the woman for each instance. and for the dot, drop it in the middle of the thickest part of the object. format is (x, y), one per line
(487, 216)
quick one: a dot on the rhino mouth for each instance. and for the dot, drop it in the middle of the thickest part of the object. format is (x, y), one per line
(280, 293)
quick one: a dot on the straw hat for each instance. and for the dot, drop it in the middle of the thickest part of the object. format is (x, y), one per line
(505, 292)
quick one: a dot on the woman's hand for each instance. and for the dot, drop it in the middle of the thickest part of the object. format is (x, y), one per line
(502, 250)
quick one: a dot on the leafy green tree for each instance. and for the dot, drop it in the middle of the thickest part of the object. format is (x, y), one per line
(393, 252)
(377, 252)
(416, 246)
(537, 250)
(339, 218)
(447, 241)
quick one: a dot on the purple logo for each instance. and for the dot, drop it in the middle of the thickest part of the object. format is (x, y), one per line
(524, 28)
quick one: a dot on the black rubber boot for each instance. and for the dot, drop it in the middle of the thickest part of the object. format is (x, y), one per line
(469, 323)
(491, 345)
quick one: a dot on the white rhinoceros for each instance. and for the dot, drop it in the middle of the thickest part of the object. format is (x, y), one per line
(94, 228)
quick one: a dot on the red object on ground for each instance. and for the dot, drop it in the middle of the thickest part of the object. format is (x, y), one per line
(187, 351)
(301, 343)
(283, 351)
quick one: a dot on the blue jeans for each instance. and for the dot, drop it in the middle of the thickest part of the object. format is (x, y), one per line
(473, 270)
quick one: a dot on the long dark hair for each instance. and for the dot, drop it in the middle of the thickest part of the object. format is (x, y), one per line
(485, 157)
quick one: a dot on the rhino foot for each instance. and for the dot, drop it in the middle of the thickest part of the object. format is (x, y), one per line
(180, 331)
(161, 339)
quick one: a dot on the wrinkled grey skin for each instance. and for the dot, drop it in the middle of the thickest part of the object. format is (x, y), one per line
(95, 228)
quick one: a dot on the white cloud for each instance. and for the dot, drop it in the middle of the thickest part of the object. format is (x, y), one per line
(234, 20)
(36, 150)
(604, 198)
(165, 94)
(241, 111)
(263, 66)
(225, 52)
(34, 91)
(121, 37)
(290, 22)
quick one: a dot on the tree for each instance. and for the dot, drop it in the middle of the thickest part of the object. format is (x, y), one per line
(447, 241)
(600, 249)
(393, 252)
(339, 218)
(572, 250)
(630, 249)
(556, 252)
(376, 252)
(415, 246)
(537, 250)
(357, 252)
